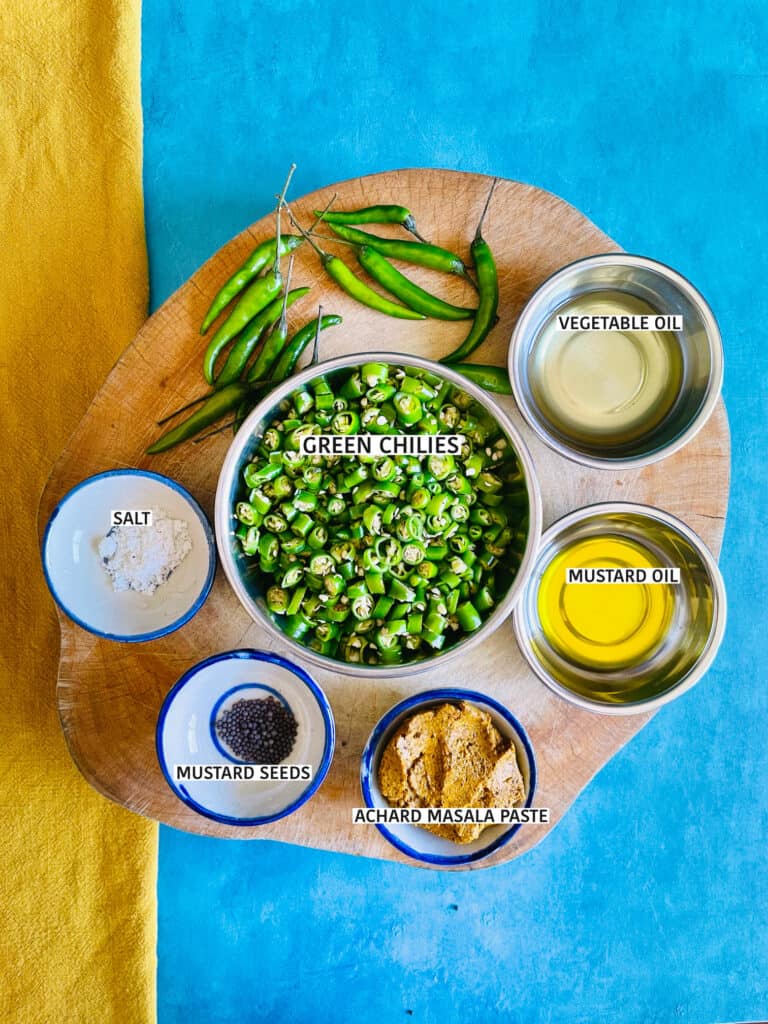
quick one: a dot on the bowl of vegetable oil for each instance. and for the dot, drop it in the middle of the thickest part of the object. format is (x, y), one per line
(624, 609)
(616, 361)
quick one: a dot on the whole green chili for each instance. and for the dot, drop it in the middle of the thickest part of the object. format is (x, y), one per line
(338, 270)
(381, 214)
(488, 285)
(490, 378)
(290, 356)
(423, 254)
(389, 277)
(259, 295)
(220, 403)
(275, 343)
(255, 298)
(241, 351)
(262, 256)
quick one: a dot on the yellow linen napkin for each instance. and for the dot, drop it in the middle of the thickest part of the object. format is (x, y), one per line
(77, 874)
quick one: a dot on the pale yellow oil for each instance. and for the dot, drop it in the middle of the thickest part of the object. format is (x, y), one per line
(605, 387)
(605, 626)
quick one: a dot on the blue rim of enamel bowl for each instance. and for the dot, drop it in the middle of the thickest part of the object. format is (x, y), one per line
(325, 709)
(207, 584)
(380, 734)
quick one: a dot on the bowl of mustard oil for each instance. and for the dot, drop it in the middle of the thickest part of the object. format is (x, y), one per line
(624, 610)
(616, 361)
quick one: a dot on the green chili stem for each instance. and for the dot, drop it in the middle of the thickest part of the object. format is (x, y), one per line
(478, 232)
(280, 201)
(213, 433)
(316, 343)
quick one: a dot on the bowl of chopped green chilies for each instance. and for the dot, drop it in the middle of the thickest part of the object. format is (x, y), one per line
(378, 514)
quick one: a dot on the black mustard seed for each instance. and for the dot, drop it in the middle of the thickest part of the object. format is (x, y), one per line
(258, 730)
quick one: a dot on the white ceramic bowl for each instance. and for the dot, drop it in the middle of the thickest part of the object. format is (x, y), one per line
(413, 840)
(75, 574)
(186, 735)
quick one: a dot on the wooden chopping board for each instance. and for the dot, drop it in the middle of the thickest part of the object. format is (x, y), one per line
(109, 694)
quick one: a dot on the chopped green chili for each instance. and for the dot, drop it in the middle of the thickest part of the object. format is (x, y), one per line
(382, 559)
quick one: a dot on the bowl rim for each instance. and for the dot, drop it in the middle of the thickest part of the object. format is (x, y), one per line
(716, 633)
(521, 333)
(222, 514)
(384, 726)
(250, 654)
(205, 590)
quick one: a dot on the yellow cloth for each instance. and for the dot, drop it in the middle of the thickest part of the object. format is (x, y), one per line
(77, 873)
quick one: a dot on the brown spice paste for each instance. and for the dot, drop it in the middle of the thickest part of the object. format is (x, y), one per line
(450, 756)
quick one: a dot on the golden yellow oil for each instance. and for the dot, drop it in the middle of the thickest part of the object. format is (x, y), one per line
(605, 388)
(605, 626)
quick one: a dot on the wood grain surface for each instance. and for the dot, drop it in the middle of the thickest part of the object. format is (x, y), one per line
(109, 694)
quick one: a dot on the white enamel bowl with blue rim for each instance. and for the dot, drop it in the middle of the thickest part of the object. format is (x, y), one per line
(186, 735)
(413, 840)
(73, 566)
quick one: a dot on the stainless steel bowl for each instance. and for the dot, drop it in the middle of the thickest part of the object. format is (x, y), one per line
(695, 630)
(246, 584)
(701, 355)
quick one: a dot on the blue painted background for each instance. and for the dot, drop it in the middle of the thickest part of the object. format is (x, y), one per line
(648, 903)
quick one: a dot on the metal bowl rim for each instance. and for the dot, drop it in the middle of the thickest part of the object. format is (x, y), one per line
(261, 411)
(714, 386)
(719, 616)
